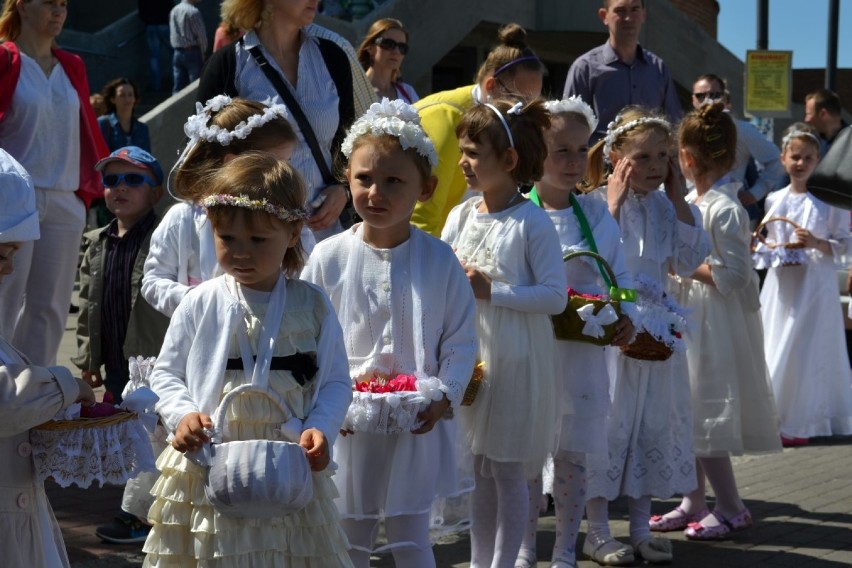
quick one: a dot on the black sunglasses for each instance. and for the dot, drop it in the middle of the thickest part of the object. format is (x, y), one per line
(130, 180)
(389, 44)
(712, 94)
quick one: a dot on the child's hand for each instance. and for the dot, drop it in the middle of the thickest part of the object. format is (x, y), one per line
(190, 435)
(434, 412)
(480, 283)
(316, 446)
(674, 182)
(618, 185)
(86, 395)
(812, 241)
(623, 331)
(93, 378)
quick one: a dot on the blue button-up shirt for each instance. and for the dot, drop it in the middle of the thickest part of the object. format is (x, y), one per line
(609, 84)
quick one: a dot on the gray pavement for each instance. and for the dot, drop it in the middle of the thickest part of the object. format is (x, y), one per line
(801, 500)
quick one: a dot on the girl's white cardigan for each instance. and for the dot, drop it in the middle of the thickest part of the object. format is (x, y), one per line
(189, 373)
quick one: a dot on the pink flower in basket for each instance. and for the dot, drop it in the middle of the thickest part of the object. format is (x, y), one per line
(382, 383)
(574, 293)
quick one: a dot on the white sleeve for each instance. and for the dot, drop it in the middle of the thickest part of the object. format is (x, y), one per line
(168, 379)
(160, 285)
(549, 292)
(692, 245)
(458, 341)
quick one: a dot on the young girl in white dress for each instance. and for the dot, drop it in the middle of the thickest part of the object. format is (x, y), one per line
(734, 412)
(407, 309)
(182, 254)
(256, 209)
(511, 254)
(583, 380)
(805, 348)
(649, 441)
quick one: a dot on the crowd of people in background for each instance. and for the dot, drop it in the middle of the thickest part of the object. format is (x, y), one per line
(334, 232)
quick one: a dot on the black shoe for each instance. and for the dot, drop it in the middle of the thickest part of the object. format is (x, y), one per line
(124, 529)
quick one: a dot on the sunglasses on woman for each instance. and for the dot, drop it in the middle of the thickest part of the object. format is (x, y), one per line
(130, 180)
(389, 45)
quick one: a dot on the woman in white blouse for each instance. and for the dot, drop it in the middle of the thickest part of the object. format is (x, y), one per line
(47, 124)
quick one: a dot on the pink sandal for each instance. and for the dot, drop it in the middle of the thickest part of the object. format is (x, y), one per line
(660, 523)
(740, 521)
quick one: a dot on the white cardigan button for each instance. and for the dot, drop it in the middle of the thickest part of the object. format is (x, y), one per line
(23, 501)
(25, 449)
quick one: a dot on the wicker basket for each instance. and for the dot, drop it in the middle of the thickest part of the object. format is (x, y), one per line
(568, 326)
(474, 384)
(109, 449)
(758, 241)
(646, 347)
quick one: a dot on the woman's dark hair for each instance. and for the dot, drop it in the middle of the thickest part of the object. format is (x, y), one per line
(480, 123)
(109, 90)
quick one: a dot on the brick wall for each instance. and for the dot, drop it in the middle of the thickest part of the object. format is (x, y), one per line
(702, 12)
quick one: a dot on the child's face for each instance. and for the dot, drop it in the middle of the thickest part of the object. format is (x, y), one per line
(648, 153)
(7, 253)
(567, 152)
(800, 158)
(483, 169)
(129, 202)
(386, 184)
(252, 250)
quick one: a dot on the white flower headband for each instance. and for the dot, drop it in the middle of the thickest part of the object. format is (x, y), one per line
(798, 134)
(392, 118)
(196, 127)
(285, 214)
(574, 104)
(613, 132)
(516, 109)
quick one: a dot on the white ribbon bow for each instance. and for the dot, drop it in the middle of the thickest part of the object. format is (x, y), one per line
(596, 321)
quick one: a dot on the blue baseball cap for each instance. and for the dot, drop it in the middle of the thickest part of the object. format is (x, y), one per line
(136, 156)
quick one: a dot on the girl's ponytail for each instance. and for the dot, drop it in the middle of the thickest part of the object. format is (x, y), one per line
(596, 170)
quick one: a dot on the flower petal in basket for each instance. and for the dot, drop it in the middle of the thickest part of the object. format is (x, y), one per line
(112, 450)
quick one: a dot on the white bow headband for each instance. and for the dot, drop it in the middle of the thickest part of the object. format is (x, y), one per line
(516, 110)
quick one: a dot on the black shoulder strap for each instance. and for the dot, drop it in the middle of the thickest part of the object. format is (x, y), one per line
(339, 67)
(218, 74)
(296, 110)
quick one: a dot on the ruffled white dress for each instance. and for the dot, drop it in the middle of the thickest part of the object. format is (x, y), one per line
(188, 531)
(732, 402)
(649, 435)
(581, 368)
(513, 418)
(803, 327)
(372, 289)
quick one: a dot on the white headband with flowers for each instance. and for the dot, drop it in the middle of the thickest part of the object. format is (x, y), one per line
(226, 200)
(392, 118)
(576, 104)
(613, 132)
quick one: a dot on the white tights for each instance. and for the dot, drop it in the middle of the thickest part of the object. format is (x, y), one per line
(569, 496)
(409, 532)
(720, 473)
(498, 514)
(597, 512)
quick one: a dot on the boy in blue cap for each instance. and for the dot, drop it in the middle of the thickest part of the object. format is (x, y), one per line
(115, 321)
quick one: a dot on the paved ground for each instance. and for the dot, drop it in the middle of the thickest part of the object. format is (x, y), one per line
(801, 500)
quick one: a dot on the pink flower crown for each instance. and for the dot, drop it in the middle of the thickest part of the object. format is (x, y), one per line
(225, 200)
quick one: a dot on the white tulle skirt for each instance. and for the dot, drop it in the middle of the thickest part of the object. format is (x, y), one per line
(514, 416)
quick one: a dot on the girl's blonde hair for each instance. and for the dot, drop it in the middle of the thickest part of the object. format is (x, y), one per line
(376, 30)
(10, 21)
(800, 131)
(206, 157)
(526, 125)
(597, 171)
(709, 133)
(511, 55)
(260, 177)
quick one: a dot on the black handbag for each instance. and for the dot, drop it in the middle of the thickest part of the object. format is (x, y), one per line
(831, 181)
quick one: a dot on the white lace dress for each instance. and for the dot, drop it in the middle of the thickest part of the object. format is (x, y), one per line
(732, 403)
(649, 430)
(803, 326)
(513, 418)
(188, 531)
(385, 475)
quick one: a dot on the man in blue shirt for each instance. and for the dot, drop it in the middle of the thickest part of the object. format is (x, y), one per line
(620, 72)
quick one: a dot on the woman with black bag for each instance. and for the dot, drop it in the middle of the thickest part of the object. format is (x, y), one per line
(311, 70)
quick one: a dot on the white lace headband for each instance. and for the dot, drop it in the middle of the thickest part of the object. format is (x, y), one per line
(226, 200)
(613, 132)
(197, 128)
(392, 118)
(516, 109)
(798, 134)
(574, 104)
